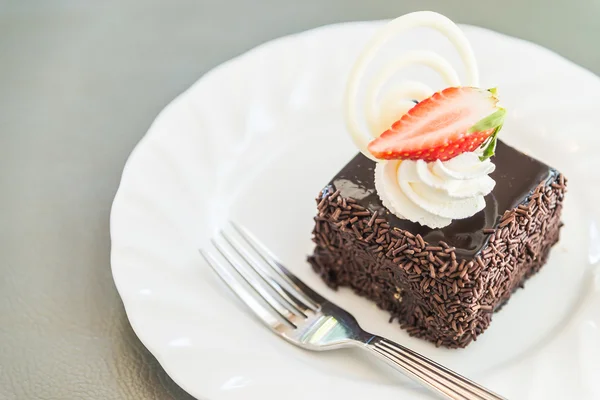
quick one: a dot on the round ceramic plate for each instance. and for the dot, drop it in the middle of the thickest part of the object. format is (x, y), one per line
(255, 140)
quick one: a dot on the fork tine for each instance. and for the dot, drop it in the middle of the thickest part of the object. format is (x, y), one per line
(251, 280)
(309, 296)
(264, 314)
(258, 267)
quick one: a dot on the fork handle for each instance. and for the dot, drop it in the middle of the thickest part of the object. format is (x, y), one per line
(431, 374)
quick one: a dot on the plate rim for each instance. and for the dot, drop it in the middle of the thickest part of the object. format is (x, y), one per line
(120, 285)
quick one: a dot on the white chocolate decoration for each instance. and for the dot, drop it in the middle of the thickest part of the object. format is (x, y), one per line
(398, 99)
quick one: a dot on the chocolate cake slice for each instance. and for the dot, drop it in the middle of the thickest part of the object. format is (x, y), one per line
(441, 284)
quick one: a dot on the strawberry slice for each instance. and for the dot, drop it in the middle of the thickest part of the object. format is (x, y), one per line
(453, 121)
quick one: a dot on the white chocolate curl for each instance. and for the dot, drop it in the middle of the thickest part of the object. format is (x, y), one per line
(435, 193)
(397, 99)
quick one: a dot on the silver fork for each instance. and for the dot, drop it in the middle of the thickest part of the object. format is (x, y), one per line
(301, 316)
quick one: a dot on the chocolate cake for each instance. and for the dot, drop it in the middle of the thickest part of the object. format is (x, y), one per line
(441, 284)
(437, 221)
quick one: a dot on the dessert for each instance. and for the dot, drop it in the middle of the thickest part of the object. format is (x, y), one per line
(437, 220)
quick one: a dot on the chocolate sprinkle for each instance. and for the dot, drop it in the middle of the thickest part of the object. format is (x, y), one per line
(434, 294)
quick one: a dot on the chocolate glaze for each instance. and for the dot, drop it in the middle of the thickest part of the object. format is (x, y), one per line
(516, 176)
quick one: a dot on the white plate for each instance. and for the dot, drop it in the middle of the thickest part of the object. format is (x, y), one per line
(237, 144)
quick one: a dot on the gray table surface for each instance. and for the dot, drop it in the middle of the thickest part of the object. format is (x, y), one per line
(80, 82)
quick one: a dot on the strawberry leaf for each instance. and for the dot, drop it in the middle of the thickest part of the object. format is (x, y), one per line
(489, 146)
(492, 121)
